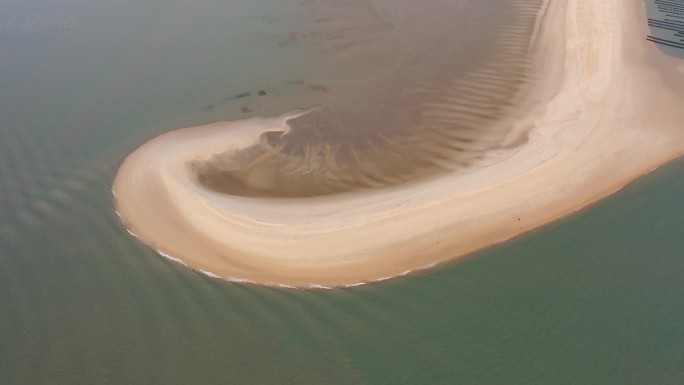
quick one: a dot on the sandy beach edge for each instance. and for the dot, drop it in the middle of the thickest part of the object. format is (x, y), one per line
(607, 121)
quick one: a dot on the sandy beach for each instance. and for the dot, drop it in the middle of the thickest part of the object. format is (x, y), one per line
(602, 116)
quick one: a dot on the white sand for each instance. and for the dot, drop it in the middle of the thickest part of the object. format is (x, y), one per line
(604, 118)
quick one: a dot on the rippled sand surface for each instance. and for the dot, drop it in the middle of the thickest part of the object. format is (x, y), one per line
(404, 90)
(431, 132)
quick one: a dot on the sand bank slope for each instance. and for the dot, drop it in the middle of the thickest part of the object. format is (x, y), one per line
(604, 119)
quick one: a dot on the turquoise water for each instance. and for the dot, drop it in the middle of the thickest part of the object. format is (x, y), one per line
(594, 299)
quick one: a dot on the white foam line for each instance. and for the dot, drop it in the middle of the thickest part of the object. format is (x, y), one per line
(209, 274)
(311, 286)
(402, 274)
(317, 286)
(239, 280)
(356, 284)
(121, 219)
(163, 254)
(287, 286)
(430, 265)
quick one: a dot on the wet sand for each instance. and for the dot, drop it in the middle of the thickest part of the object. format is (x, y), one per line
(601, 117)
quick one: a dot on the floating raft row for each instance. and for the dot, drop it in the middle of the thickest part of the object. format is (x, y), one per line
(671, 19)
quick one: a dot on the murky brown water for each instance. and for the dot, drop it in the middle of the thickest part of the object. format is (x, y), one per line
(402, 90)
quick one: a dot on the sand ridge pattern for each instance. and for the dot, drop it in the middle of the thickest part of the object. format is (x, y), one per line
(601, 119)
(413, 119)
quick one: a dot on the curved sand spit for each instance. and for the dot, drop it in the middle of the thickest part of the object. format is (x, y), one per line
(607, 119)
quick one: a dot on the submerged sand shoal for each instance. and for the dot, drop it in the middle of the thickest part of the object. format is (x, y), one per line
(605, 118)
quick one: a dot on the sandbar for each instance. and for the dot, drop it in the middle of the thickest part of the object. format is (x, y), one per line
(605, 116)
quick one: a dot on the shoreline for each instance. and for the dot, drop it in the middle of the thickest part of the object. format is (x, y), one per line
(589, 137)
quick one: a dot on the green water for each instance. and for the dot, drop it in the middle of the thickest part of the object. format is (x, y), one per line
(595, 299)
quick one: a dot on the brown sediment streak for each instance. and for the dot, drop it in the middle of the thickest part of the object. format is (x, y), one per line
(600, 118)
(431, 108)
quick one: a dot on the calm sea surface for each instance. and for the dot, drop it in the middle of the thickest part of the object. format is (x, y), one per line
(594, 299)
